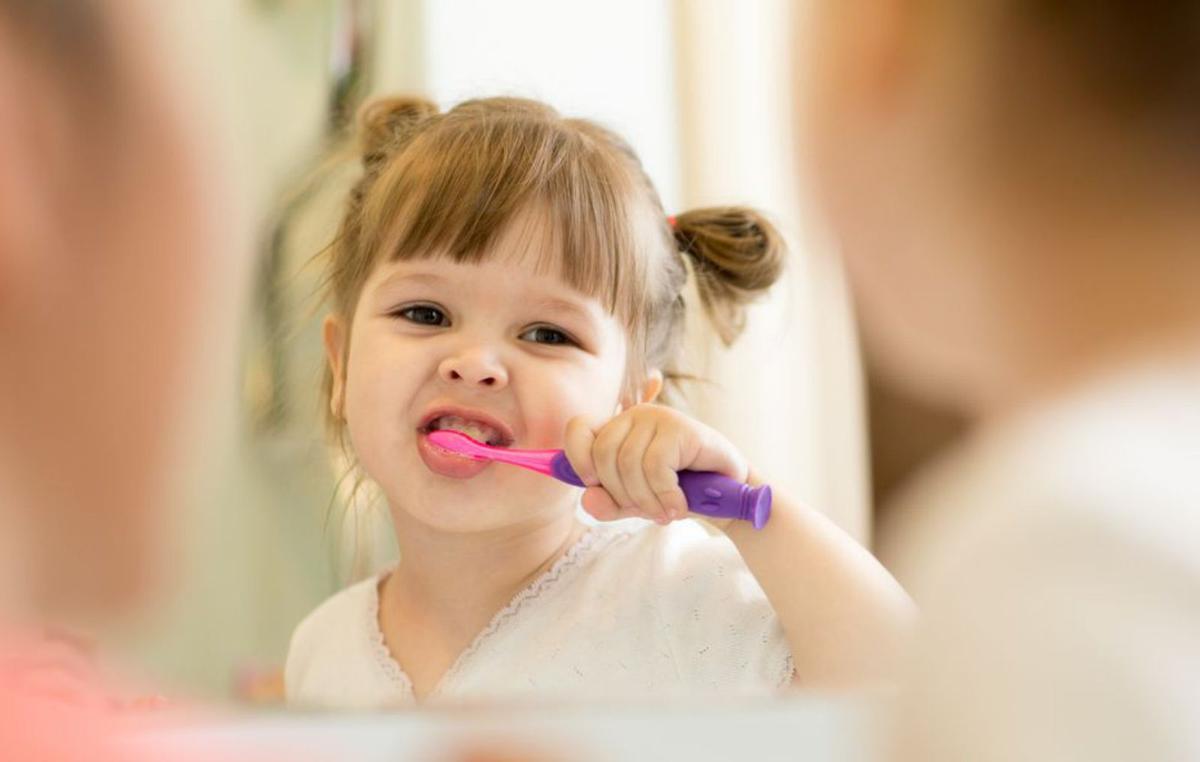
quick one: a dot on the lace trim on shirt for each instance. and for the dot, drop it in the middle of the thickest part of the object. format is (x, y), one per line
(590, 542)
(787, 674)
(379, 651)
(593, 539)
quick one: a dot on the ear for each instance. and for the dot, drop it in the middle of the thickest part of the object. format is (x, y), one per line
(334, 335)
(651, 387)
(647, 391)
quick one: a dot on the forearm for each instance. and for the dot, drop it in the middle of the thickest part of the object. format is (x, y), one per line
(844, 616)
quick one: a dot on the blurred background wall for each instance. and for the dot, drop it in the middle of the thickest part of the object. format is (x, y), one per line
(699, 87)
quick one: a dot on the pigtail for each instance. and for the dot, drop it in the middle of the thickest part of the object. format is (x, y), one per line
(384, 126)
(385, 123)
(737, 255)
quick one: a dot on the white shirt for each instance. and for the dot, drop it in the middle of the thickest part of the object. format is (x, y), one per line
(627, 612)
(1057, 565)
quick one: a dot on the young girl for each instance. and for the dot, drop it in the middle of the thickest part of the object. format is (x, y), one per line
(511, 274)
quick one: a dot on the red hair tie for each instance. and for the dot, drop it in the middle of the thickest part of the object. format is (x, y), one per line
(671, 221)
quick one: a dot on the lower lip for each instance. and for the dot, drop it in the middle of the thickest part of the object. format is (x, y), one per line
(446, 463)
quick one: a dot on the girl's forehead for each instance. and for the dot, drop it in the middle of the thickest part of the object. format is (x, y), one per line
(541, 245)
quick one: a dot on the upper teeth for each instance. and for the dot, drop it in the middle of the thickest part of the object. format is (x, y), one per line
(476, 430)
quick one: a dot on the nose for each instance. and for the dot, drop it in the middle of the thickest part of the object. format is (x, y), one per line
(476, 368)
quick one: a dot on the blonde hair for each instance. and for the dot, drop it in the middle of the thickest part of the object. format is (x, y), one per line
(447, 184)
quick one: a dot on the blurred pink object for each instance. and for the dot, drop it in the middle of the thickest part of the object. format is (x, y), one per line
(55, 706)
(116, 238)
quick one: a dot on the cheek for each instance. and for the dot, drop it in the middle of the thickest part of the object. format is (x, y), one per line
(554, 398)
(379, 386)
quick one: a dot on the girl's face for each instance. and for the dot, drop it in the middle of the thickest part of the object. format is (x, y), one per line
(494, 349)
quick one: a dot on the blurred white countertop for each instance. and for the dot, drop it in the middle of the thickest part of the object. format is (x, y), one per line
(798, 728)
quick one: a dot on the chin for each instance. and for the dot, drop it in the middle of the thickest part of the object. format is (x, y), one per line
(465, 519)
(463, 506)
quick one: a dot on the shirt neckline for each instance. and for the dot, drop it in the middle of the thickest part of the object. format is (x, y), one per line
(587, 543)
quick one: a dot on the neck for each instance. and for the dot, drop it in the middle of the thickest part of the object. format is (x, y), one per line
(460, 580)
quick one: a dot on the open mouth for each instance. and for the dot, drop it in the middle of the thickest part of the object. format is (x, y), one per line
(480, 431)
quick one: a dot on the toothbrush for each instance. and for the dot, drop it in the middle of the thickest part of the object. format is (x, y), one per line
(708, 493)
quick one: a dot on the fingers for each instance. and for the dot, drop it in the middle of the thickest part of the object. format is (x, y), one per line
(630, 461)
(590, 445)
(577, 445)
(605, 449)
(660, 466)
(600, 505)
(611, 458)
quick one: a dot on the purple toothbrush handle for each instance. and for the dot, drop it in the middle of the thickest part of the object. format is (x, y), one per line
(707, 493)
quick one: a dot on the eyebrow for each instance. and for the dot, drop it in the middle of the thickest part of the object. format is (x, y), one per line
(562, 305)
(552, 303)
(428, 278)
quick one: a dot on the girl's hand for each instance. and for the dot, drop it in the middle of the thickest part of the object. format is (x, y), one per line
(630, 462)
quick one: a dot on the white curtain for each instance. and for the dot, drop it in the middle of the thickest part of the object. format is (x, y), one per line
(790, 390)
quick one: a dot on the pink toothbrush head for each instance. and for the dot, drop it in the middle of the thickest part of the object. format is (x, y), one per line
(535, 460)
(707, 493)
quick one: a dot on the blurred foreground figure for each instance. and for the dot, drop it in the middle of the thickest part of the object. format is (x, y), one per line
(113, 244)
(1016, 188)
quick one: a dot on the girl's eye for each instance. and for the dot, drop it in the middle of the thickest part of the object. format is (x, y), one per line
(546, 335)
(422, 314)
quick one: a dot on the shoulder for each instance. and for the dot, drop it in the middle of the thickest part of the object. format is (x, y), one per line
(1110, 472)
(328, 636)
(328, 621)
(1081, 581)
(709, 607)
(1066, 602)
(667, 559)
(682, 568)
(668, 547)
(1063, 560)
(722, 629)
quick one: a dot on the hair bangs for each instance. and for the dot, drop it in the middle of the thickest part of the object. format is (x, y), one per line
(455, 192)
